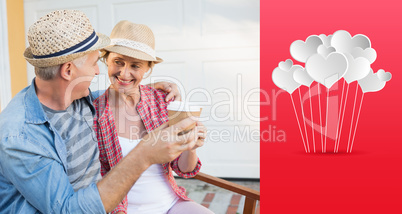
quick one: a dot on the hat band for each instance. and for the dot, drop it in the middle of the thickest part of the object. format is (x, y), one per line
(80, 47)
(134, 45)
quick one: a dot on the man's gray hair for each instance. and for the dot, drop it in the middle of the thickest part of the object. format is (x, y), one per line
(49, 73)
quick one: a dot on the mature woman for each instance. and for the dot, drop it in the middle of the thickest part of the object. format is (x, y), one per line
(127, 111)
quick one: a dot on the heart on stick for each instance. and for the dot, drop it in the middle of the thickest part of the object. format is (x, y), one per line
(301, 50)
(343, 42)
(301, 76)
(384, 76)
(369, 53)
(371, 83)
(327, 70)
(284, 79)
(324, 50)
(326, 40)
(285, 66)
(357, 68)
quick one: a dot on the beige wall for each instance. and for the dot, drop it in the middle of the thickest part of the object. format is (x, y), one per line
(16, 44)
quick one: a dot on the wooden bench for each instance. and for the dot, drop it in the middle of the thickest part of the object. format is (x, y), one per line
(252, 196)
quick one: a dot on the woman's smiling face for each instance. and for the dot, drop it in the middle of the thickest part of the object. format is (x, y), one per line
(125, 72)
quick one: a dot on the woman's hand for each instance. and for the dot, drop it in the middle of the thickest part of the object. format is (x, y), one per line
(189, 159)
(170, 88)
(201, 130)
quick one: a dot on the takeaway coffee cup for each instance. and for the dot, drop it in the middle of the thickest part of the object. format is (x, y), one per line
(179, 110)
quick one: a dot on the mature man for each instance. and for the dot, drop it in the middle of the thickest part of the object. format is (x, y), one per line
(48, 150)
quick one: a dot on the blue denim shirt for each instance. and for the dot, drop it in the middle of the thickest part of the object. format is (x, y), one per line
(33, 164)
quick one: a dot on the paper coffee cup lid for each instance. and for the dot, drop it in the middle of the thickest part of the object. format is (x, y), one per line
(183, 106)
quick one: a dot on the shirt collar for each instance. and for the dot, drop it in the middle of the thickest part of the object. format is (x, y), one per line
(34, 111)
(90, 100)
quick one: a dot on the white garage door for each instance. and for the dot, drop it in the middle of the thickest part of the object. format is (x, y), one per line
(211, 50)
(5, 85)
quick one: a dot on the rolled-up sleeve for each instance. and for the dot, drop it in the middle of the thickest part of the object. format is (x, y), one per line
(39, 176)
(122, 207)
(175, 167)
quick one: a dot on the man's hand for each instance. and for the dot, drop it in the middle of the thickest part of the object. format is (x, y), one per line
(170, 88)
(164, 144)
(160, 146)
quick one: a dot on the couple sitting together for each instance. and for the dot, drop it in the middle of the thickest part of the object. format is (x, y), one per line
(64, 149)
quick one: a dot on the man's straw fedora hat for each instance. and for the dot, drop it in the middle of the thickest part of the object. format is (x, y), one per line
(62, 36)
(133, 40)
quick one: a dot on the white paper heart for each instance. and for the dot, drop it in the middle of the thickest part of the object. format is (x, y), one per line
(384, 76)
(301, 76)
(371, 83)
(357, 68)
(343, 42)
(284, 80)
(325, 51)
(326, 40)
(329, 70)
(369, 53)
(286, 65)
(301, 50)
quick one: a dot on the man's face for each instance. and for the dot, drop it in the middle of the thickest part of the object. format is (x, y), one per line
(83, 75)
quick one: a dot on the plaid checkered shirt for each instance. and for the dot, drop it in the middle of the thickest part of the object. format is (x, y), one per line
(152, 110)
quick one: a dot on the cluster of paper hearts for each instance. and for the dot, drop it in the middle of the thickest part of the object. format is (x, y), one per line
(328, 59)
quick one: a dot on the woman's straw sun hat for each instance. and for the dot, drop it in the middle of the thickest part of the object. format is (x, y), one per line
(133, 40)
(62, 36)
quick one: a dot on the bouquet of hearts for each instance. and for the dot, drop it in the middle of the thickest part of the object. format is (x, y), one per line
(327, 93)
